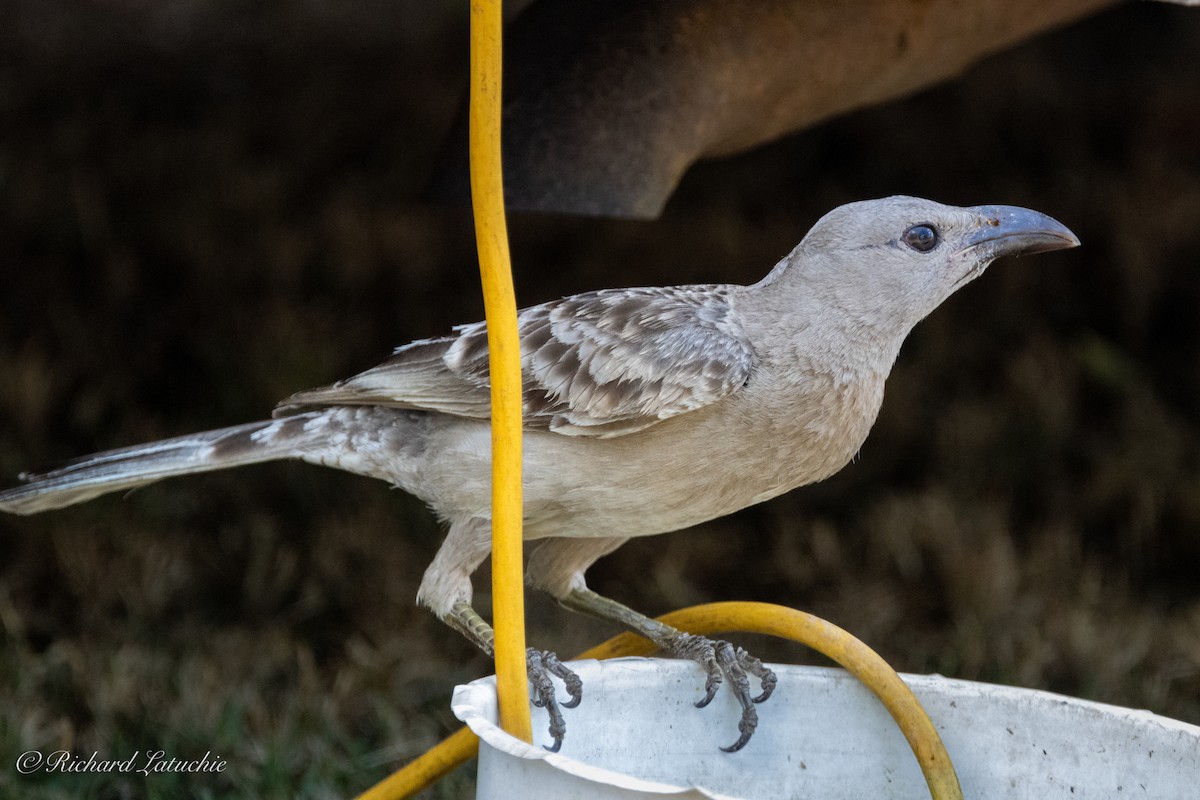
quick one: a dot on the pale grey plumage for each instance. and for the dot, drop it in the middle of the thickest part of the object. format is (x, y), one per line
(646, 410)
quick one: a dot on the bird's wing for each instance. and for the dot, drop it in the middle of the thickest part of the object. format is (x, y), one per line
(599, 364)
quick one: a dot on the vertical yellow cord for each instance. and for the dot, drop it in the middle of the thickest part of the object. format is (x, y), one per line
(507, 588)
(491, 237)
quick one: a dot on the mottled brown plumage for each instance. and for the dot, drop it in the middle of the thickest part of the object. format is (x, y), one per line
(604, 363)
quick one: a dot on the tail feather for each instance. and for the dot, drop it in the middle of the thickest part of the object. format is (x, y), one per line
(129, 467)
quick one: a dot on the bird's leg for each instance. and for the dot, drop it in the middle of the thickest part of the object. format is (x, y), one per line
(446, 591)
(719, 659)
(540, 664)
(557, 566)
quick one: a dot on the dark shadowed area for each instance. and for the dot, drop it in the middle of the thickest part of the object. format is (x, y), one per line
(205, 206)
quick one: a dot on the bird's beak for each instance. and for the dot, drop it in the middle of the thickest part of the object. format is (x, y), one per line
(1015, 231)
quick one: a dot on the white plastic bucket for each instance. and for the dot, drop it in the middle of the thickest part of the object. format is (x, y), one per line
(823, 735)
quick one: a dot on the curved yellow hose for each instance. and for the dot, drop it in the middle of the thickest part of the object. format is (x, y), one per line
(426, 769)
(507, 588)
(859, 660)
(491, 237)
(787, 623)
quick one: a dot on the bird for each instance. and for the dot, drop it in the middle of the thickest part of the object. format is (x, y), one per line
(645, 411)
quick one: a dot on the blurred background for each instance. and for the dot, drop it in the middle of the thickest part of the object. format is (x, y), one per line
(205, 206)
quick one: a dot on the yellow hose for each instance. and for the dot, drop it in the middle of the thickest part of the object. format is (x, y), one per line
(491, 237)
(507, 589)
(830, 640)
(428, 768)
(787, 623)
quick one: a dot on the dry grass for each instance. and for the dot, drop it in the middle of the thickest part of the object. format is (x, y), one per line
(202, 214)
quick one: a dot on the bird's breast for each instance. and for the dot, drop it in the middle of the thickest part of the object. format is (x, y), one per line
(701, 465)
(813, 429)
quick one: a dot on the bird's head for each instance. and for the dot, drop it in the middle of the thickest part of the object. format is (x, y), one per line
(896, 259)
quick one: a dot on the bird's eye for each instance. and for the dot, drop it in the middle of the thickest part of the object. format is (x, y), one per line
(921, 238)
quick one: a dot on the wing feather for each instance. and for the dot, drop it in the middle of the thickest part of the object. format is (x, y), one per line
(598, 364)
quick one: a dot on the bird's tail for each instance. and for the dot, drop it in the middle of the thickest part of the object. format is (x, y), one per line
(129, 467)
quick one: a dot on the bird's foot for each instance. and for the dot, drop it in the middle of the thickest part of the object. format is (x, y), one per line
(541, 664)
(722, 660)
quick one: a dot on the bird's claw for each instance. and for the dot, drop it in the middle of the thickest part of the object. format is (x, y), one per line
(722, 660)
(571, 682)
(755, 667)
(541, 664)
(746, 727)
